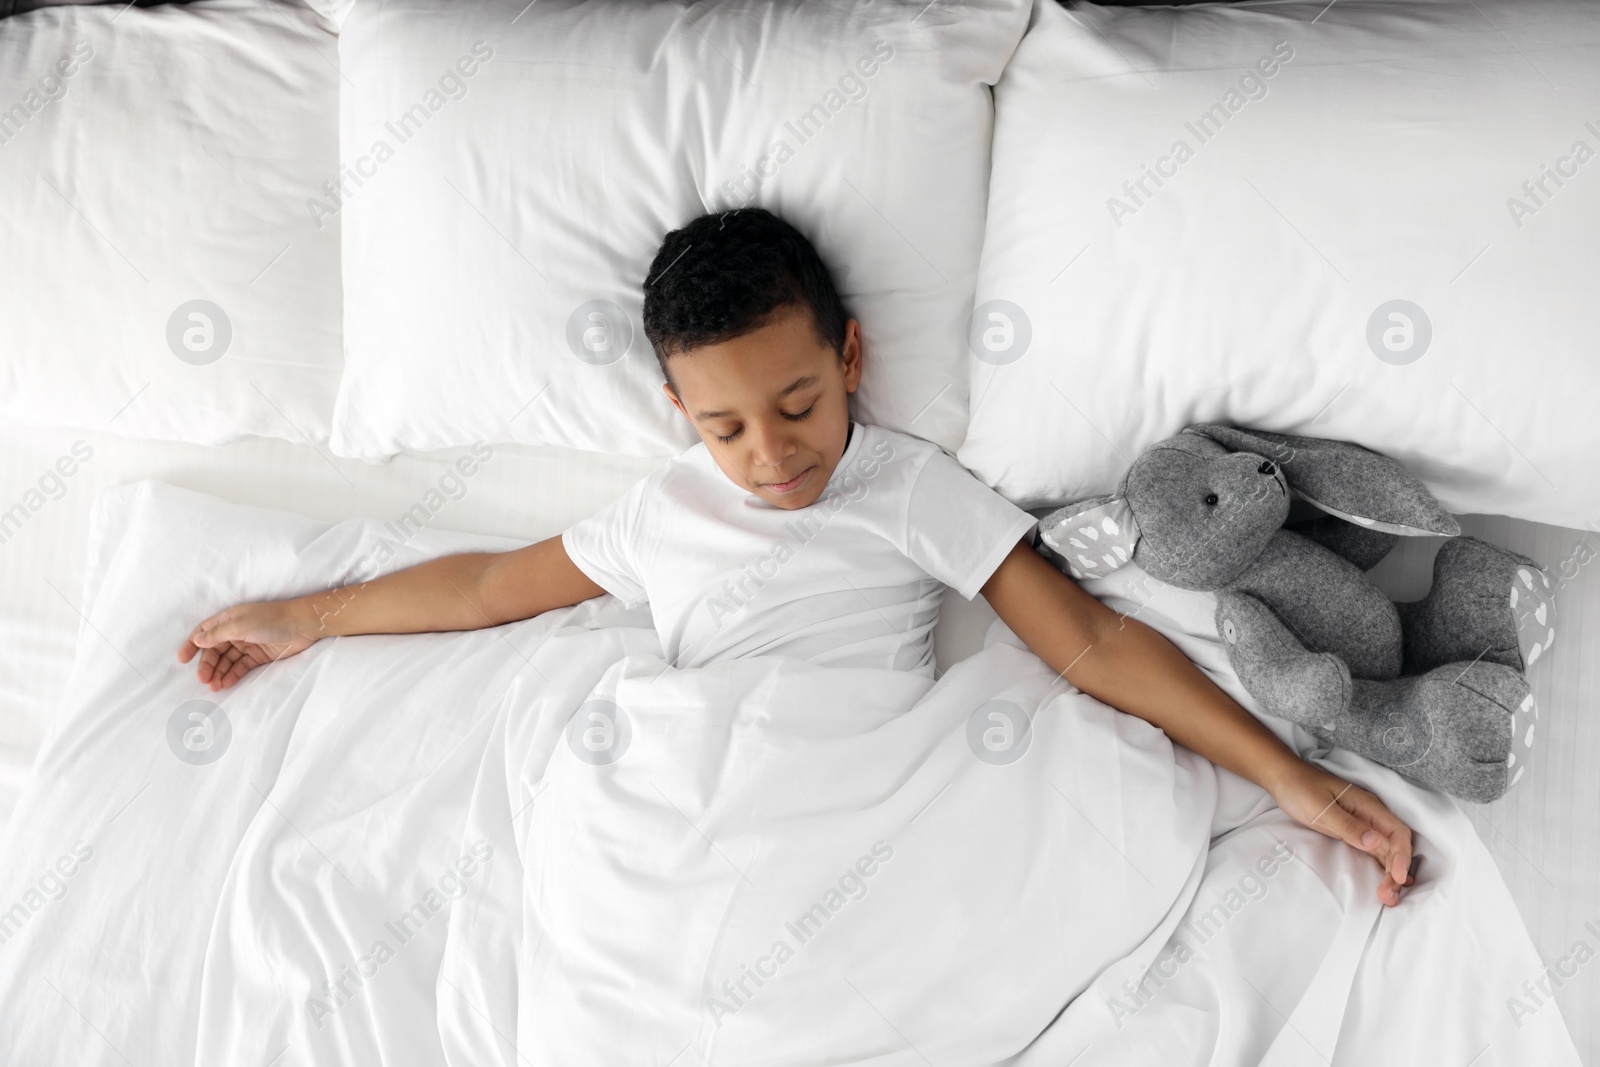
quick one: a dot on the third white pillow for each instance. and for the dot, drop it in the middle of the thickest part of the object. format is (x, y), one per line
(1376, 222)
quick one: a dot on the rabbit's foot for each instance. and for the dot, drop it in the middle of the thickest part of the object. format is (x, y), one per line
(1487, 603)
(1463, 728)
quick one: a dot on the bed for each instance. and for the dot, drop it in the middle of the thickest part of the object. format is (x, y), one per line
(277, 438)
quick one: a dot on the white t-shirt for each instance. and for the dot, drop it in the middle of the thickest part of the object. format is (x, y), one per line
(854, 579)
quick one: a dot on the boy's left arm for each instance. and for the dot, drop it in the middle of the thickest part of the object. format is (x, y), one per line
(1124, 663)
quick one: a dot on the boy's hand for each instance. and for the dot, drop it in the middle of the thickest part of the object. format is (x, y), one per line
(234, 642)
(1348, 813)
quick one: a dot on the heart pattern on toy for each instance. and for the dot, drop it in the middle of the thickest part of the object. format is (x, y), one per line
(1095, 541)
(1533, 603)
(1522, 722)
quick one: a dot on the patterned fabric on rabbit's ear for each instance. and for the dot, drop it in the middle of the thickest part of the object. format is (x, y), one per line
(1092, 538)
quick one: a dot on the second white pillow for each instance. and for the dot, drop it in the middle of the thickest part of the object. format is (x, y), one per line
(510, 170)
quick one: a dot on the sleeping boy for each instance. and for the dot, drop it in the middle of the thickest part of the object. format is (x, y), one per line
(792, 529)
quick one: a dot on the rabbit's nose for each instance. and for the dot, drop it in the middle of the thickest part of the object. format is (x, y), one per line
(1266, 467)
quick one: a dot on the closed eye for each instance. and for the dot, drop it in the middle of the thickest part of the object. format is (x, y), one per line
(801, 417)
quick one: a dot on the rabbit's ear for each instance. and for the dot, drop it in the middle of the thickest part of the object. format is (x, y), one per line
(1092, 537)
(1345, 480)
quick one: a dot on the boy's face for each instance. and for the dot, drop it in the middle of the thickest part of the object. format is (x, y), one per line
(748, 398)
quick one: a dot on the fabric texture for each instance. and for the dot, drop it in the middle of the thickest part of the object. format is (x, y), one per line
(854, 579)
(517, 166)
(1373, 222)
(405, 852)
(162, 277)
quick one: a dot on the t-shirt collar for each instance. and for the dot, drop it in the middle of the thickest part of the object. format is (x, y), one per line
(851, 448)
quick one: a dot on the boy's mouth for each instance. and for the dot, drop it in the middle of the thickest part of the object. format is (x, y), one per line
(792, 484)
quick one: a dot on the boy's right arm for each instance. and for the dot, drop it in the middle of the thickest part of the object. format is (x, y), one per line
(461, 592)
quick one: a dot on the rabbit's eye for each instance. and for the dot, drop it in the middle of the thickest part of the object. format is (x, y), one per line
(1211, 500)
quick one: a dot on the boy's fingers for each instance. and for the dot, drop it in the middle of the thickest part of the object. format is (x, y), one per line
(1396, 834)
(1389, 891)
(209, 635)
(1390, 885)
(1362, 835)
(1341, 824)
(239, 669)
(1362, 821)
(208, 664)
(214, 630)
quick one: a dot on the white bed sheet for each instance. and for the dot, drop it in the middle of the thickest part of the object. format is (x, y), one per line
(1545, 835)
(522, 491)
(628, 866)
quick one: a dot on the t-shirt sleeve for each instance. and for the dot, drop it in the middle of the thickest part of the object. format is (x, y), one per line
(605, 546)
(957, 528)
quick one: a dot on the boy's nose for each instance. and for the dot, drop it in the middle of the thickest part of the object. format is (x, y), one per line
(770, 447)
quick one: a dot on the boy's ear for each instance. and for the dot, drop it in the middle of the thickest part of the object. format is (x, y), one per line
(852, 355)
(666, 387)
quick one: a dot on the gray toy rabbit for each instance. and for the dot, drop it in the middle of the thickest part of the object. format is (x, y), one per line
(1434, 689)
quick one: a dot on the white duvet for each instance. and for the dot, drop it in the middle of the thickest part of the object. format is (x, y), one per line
(453, 848)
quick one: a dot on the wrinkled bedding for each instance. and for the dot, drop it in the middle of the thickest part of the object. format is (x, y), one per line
(542, 844)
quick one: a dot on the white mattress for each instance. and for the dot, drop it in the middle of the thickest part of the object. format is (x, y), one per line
(1545, 834)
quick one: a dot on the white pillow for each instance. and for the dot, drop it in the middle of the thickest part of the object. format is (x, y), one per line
(151, 159)
(1377, 154)
(550, 147)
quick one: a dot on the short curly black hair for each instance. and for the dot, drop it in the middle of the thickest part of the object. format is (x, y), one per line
(725, 273)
